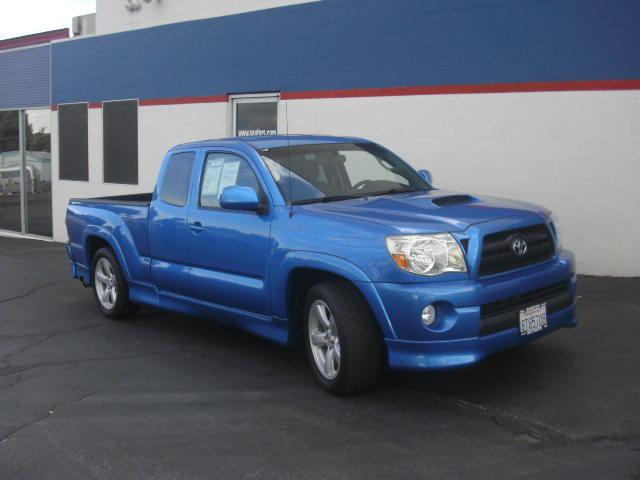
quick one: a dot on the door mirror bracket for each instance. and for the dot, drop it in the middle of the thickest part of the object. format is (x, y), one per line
(426, 175)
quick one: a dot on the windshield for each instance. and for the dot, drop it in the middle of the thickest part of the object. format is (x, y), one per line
(338, 171)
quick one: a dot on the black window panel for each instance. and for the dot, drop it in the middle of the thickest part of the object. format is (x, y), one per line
(175, 186)
(120, 136)
(73, 142)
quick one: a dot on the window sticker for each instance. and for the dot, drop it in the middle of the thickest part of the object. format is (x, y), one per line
(229, 175)
(212, 177)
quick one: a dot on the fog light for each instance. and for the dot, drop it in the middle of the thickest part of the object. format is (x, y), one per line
(429, 315)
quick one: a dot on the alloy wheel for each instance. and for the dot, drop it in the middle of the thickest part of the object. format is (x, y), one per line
(106, 283)
(324, 339)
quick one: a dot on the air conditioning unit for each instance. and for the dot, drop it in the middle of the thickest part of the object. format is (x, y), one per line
(135, 5)
(84, 25)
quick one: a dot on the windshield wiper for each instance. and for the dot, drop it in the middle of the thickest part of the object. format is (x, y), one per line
(330, 198)
(391, 191)
(337, 198)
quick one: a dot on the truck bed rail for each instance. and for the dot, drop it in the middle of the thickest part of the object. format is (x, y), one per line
(140, 199)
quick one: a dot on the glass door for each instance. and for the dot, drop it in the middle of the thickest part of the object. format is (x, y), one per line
(25, 171)
(10, 160)
(37, 184)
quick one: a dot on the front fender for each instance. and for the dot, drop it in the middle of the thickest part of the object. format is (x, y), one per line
(280, 282)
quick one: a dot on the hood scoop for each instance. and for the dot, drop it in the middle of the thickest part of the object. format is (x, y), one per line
(451, 200)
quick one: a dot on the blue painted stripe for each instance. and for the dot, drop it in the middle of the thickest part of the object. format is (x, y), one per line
(25, 78)
(357, 44)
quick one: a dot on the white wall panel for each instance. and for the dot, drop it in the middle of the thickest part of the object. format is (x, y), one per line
(159, 128)
(112, 16)
(577, 153)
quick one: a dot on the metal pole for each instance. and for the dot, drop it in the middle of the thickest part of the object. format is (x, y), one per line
(22, 121)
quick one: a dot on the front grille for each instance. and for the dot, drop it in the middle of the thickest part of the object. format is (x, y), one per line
(498, 256)
(505, 314)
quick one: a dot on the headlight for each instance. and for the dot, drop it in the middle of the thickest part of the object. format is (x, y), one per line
(553, 218)
(427, 254)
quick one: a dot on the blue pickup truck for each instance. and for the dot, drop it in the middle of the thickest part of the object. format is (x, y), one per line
(330, 241)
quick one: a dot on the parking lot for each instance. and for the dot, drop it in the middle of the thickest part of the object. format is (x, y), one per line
(167, 396)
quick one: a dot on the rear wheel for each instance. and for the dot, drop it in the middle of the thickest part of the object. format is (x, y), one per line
(343, 341)
(110, 288)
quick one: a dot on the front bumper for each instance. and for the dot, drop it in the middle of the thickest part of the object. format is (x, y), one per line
(455, 340)
(448, 354)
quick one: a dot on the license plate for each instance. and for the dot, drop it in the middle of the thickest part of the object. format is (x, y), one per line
(533, 319)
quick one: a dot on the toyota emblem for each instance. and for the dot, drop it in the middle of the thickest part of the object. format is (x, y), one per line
(519, 246)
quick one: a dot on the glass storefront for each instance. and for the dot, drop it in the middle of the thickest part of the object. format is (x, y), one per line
(25, 175)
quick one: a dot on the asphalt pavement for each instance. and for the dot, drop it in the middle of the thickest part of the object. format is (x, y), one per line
(167, 396)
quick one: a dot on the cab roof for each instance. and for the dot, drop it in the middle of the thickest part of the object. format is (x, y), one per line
(271, 141)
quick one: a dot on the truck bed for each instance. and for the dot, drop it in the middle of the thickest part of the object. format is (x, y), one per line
(120, 220)
(138, 199)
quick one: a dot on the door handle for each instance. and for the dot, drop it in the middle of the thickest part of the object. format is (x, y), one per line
(196, 227)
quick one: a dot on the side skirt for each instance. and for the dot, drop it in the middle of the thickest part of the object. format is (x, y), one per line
(271, 328)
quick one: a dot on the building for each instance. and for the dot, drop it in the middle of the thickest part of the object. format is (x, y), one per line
(538, 101)
(25, 133)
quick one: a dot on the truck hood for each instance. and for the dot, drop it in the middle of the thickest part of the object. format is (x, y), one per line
(429, 212)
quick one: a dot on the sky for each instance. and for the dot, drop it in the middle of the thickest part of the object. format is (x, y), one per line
(23, 17)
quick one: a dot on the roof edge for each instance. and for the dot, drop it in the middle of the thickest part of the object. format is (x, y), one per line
(271, 141)
(34, 39)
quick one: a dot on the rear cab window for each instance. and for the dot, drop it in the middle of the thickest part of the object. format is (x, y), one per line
(177, 178)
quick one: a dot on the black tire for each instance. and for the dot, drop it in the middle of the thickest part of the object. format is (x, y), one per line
(360, 340)
(122, 307)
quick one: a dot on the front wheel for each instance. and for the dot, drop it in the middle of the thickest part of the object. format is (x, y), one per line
(343, 341)
(110, 288)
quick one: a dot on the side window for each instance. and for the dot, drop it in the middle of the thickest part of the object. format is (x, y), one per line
(222, 170)
(175, 186)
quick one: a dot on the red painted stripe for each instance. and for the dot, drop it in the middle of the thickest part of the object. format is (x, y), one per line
(35, 39)
(54, 108)
(570, 86)
(465, 89)
(181, 100)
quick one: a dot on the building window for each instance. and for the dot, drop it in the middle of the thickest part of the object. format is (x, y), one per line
(175, 187)
(73, 141)
(255, 115)
(120, 141)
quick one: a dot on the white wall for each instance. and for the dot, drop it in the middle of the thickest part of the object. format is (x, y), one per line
(159, 128)
(112, 16)
(577, 153)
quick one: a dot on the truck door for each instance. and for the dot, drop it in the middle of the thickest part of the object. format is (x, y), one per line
(229, 249)
(167, 224)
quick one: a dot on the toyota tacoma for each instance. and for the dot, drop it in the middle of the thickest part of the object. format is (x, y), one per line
(334, 242)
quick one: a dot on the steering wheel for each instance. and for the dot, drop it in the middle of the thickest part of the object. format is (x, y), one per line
(361, 184)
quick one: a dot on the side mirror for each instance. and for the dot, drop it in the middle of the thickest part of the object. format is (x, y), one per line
(240, 198)
(426, 175)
